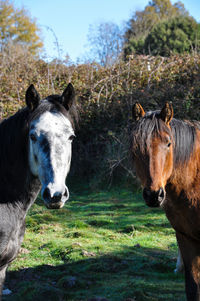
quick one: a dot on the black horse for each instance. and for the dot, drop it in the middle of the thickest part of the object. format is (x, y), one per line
(35, 153)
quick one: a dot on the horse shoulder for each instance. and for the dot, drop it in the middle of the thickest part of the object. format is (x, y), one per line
(183, 212)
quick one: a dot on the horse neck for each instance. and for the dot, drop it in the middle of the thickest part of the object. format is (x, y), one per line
(17, 183)
(186, 172)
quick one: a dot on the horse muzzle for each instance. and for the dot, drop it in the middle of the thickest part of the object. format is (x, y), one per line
(55, 200)
(154, 198)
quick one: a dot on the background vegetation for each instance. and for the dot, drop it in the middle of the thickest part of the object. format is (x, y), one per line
(104, 96)
(107, 87)
(18, 27)
(161, 28)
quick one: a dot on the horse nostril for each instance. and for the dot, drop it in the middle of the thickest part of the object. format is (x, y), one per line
(154, 198)
(161, 193)
(57, 197)
(46, 194)
(146, 193)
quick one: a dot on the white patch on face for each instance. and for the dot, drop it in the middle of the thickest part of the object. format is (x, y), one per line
(50, 151)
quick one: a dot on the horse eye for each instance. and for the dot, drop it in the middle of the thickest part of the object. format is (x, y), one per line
(71, 138)
(32, 137)
(168, 145)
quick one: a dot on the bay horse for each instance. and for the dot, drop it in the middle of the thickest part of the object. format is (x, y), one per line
(35, 153)
(166, 156)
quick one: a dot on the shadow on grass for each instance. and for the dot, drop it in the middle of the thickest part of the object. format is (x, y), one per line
(115, 211)
(135, 274)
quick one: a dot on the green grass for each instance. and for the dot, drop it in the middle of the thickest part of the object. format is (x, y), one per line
(104, 244)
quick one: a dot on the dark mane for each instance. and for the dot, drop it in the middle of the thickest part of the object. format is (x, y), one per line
(183, 134)
(144, 129)
(13, 153)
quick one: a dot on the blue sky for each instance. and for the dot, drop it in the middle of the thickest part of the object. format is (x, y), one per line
(69, 20)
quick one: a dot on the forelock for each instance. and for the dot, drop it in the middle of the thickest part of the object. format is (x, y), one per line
(147, 127)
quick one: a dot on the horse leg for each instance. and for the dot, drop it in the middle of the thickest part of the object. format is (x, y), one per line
(2, 278)
(179, 263)
(190, 251)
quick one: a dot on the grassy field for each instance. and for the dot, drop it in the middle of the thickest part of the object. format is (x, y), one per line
(104, 245)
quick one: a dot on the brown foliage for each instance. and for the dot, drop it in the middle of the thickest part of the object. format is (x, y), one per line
(105, 97)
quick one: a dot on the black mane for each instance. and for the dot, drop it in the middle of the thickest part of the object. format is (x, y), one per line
(13, 155)
(183, 135)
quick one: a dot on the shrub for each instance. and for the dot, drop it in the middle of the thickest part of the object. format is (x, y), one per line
(104, 97)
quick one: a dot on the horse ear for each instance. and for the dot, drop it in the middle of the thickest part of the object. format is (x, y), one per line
(68, 96)
(167, 113)
(137, 111)
(32, 98)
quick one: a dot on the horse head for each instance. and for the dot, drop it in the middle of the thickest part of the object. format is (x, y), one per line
(50, 143)
(152, 149)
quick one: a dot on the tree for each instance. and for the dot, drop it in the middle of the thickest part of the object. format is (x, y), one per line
(178, 35)
(143, 22)
(18, 27)
(106, 42)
